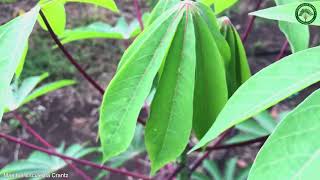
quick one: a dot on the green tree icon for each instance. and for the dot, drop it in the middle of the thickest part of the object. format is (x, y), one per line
(305, 13)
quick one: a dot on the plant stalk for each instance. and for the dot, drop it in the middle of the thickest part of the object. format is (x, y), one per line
(283, 50)
(70, 57)
(74, 62)
(199, 161)
(138, 14)
(46, 143)
(250, 23)
(80, 161)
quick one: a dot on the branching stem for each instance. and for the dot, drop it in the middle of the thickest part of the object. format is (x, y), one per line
(80, 161)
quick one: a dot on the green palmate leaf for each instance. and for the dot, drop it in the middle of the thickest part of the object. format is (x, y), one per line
(20, 93)
(294, 147)
(122, 30)
(210, 94)
(55, 14)
(213, 169)
(297, 34)
(13, 38)
(276, 82)
(160, 8)
(265, 120)
(252, 127)
(260, 125)
(286, 13)
(169, 126)
(219, 5)
(132, 83)
(200, 176)
(42, 164)
(109, 4)
(230, 171)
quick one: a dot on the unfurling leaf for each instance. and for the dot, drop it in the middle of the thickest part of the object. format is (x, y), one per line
(169, 126)
(211, 93)
(237, 67)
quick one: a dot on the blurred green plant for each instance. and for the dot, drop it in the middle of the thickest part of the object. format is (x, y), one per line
(42, 164)
(229, 171)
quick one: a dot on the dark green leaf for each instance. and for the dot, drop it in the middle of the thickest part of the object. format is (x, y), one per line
(210, 94)
(169, 126)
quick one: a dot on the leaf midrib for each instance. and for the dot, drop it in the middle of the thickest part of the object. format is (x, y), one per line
(143, 75)
(173, 102)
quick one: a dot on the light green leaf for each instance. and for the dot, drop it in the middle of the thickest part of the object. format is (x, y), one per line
(169, 126)
(22, 60)
(20, 93)
(211, 94)
(122, 30)
(136, 147)
(160, 8)
(294, 147)
(132, 83)
(47, 88)
(55, 14)
(13, 39)
(297, 34)
(266, 88)
(219, 5)
(108, 4)
(285, 13)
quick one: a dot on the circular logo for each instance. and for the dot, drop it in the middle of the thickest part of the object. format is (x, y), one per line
(306, 13)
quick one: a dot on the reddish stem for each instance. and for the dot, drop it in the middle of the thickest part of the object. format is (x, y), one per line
(74, 62)
(199, 161)
(245, 143)
(45, 143)
(207, 153)
(70, 57)
(283, 50)
(80, 161)
(138, 13)
(250, 23)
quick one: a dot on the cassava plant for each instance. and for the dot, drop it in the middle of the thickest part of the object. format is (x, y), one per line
(194, 69)
(191, 66)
